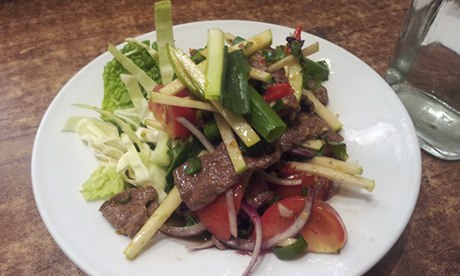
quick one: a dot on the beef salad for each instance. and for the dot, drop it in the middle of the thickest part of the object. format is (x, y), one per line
(230, 145)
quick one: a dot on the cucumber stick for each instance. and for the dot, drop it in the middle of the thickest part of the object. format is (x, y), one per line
(236, 157)
(187, 71)
(215, 65)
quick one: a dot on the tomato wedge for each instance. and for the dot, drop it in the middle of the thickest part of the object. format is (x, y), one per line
(279, 216)
(324, 231)
(167, 114)
(214, 216)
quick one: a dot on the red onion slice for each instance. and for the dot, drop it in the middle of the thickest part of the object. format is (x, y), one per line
(299, 151)
(231, 210)
(240, 244)
(298, 224)
(183, 231)
(203, 245)
(197, 133)
(276, 180)
(255, 218)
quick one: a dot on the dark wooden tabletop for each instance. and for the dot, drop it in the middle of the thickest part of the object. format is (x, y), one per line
(45, 42)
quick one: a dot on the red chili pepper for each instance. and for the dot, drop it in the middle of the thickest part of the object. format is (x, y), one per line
(277, 91)
(298, 32)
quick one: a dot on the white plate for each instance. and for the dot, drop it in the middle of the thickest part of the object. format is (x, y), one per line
(378, 131)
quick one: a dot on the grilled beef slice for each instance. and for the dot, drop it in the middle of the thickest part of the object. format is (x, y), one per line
(129, 210)
(217, 173)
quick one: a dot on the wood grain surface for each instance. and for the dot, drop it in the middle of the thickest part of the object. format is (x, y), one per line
(44, 43)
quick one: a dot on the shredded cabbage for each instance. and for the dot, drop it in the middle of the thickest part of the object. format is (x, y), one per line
(103, 183)
(133, 159)
(115, 94)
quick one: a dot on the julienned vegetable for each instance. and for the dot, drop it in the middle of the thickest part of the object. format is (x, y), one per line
(163, 23)
(256, 190)
(215, 67)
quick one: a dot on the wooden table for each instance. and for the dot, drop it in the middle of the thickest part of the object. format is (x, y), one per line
(44, 43)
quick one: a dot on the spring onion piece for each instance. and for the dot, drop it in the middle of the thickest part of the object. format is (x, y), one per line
(163, 23)
(231, 145)
(180, 101)
(339, 151)
(290, 248)
(235, 96)
(335, 175)
(323, 112)
(215, 65)
(154, 222)
(264, 119)
(193, 166)
(335, 164)
(211, 131)
(147, 83)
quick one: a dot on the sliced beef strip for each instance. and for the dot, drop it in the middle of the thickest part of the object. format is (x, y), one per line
(320, 92)
(217, 174)
(129, 210)
(258, 194)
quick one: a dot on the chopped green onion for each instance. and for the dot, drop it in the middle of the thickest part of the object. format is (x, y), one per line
(264, 119)
(235, 96)
(339, 151)
(211, 131)
(293, 249)
(193, 166)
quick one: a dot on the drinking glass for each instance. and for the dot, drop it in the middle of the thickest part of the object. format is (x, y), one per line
(425, 73)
